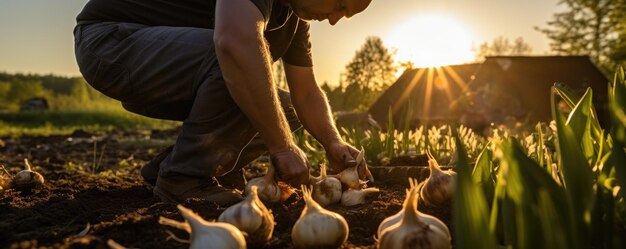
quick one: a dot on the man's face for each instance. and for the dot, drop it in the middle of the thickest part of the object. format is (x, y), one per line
(333, 10)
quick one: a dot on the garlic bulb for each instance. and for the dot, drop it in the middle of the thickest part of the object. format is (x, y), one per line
(439, 187)
(27, 179)
(414, 232)
(318, 227)
(268, 189)
(350, 177)
(396, 218)
(326, 190)
(352, 197)
(206, 234)
(251, 217)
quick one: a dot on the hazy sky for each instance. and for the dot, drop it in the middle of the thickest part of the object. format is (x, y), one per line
(36, 35)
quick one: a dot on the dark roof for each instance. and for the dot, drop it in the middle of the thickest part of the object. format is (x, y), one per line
(509, 85)
(444, 85)
(528, 79)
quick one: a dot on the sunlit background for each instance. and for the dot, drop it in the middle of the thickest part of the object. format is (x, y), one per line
(36, 34)
(431, 40)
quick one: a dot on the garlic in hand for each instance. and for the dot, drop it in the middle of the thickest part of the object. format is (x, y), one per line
(318, 227)
(353, 197)
(268, 189)
(27, 179)
(206, 234)
(439, 187)
(352, 176)
(415, 232)
(326, 190)
(396, 218)
(251, 217)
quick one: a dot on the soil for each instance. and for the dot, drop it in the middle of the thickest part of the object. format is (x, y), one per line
(83, 207)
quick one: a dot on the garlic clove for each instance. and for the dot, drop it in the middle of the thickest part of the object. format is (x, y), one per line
(327, 191)
(350, 177)
(353, 197)
(27, 179)
(318, 227)
(268, 189)
(252, 217)
(206, 234)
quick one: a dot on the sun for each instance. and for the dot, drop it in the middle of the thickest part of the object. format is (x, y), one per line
(431, 41)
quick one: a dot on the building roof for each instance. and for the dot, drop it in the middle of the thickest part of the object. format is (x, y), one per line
(528, 80)
(516, 86)
(444, 85)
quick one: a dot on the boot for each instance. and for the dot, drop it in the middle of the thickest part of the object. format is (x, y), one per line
(150, 170)
(177, 189)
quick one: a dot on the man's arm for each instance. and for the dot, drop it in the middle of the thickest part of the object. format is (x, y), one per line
(315, 115)
(311, 104)
(244, 59)
(245, 62)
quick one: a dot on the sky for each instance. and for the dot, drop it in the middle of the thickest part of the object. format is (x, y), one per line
(36, 35)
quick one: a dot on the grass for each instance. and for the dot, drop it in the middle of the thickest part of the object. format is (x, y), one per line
(65, 122)
(557, 188)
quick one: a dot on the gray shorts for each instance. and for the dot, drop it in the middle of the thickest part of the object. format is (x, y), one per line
(173, 73)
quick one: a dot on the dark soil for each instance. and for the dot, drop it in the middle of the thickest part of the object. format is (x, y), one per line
(83, 207)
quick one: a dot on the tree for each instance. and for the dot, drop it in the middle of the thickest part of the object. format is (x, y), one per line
(371, 71)
(618, 53)
(19, 91)
(588, 27)
(372, 66)
(501, 46)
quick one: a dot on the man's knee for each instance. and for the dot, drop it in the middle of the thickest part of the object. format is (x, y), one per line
(170, 111)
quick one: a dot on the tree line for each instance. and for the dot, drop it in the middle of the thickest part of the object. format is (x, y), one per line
(62, 93)
(586, 27)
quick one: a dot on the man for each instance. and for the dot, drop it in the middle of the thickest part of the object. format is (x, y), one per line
(208, 63)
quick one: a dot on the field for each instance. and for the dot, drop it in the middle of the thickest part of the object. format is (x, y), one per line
(546, 185)
(113, 202)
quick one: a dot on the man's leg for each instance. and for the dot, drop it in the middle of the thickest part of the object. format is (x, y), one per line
(247, 154)
(172, 73)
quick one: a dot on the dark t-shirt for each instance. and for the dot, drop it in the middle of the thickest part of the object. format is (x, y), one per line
(286, 34)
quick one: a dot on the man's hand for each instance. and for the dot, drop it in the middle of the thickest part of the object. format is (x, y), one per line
(292, 166)
(341, 156)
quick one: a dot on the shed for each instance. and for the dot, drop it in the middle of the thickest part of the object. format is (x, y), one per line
(429, 91)
(479, 94)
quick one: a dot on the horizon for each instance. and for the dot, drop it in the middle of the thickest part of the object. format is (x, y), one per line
(43, 44)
